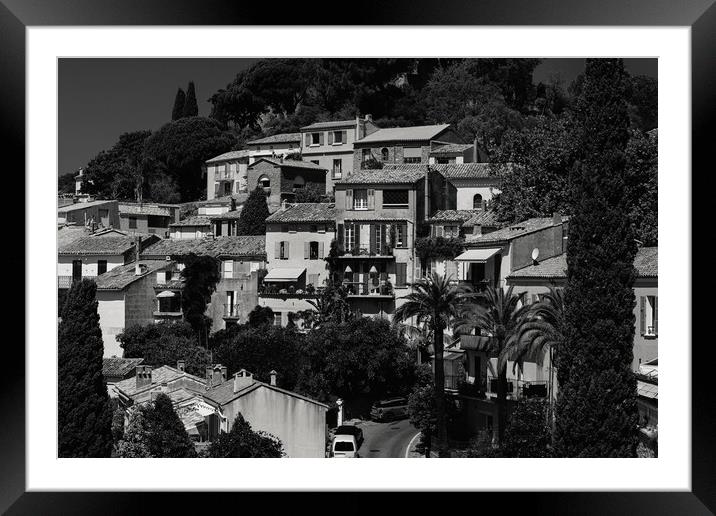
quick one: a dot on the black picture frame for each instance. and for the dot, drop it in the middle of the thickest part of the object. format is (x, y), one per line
(700, 15)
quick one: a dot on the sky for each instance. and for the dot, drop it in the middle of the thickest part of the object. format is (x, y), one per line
(99, 99)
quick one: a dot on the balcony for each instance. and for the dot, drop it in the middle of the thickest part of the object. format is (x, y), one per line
(158, 314)
(272, 291)
(384, 251)
(519, 389)
(231, 311)
(368, 289)
(64, 281)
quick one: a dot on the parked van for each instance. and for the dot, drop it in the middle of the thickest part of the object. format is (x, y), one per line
(390, 409)
(344, 446)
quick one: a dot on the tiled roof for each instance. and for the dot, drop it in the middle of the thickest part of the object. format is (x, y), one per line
(119, 366)
(146, 209)
(99, 245)
(82, 205)
(229, 215)
(68, 234)
(277, 138)
(193, 221)
(332, 123)
(472, 170)
(160, 375)
(289, 163)
(121, 277)
(516, 230)
(227, 156)
(467, 217)
(484, 218)
(394, 174)
(452, 148)
(224, 392)
(249, 246)
(645, 264)
(418, 133)
(306, 212)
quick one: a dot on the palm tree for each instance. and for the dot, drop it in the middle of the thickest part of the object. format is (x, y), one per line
(435, 303)
(543, 328)
(496, 313)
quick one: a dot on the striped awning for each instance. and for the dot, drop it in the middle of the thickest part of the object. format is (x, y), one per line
(286, 274)
(166, 293)
(477, 255)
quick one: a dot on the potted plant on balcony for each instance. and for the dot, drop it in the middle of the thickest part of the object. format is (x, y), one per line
(310, 289)
(291, 289)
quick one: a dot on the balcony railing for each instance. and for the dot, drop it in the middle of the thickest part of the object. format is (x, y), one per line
(64, 281)
(519, 388)
(271, 291)
(378, 251)
(231, 311)
(368, 289)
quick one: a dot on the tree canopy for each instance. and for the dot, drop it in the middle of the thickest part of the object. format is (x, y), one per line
(243, 442)
(252, 219)
(84, 412)
(201, 275)
(178, 109)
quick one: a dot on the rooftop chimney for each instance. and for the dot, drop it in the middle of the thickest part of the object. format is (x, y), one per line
(137, 247)
(369, 118)
(273, 375)
(143, 376)
(556, 218)
(242, 379)
(181, 364)
(474, 151)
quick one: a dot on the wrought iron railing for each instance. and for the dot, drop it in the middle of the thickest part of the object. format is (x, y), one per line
(231, 311)
(367, 288)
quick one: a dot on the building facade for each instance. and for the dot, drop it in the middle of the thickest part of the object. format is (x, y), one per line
(276, 147)
(95, 214)
(226, 174)
(280, 179)
(147, 218)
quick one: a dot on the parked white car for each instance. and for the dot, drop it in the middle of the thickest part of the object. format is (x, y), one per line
(344, 447)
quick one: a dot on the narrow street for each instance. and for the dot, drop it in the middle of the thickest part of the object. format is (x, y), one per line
(386, 439)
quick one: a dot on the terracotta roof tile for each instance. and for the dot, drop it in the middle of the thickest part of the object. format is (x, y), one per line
(193, 221)
(226, 246)
(277, 138)
(389, 174)
(119, 366)
(404, 134)
(306, 212)
(290, 163)
(101, 245)
(227, 156)
(121, 277)
(330, 123)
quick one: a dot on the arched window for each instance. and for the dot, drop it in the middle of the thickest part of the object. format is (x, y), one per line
(298, 182)
(264, 182)
(477, 202)
(384, 154)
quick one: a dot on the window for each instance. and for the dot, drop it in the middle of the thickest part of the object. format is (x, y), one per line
(313, 228)
(277, 318)
(451, 231)
(350, 233)
(132, 222)
(411, 160)
(395, 198)
(264, 182)
(360, 199)
(427, 267)
(170, 304)
(401, 274)
(298, 182)
(158, 221)
(337, 168)
(443, 161)
(649, 313)
(101, 267)
(366, 154)
(76, 270)
(217, 228)
(313, 251)
(338, 137)
(315, 138)
(401, 236)
(283, 250)
(228, 268)
(477, 202)
(315, 162)
(103, 214)
(384, 155)
(412, 155)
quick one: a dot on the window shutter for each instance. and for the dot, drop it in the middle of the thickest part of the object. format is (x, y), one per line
(656, 314)
(306, 250)
(349, 199)
(642, 314)
(371, 199)
(356, 230)
(339, 236)
(356, 277)
(277, 253)
(308, 139)
(286, 247)
(401, 270)
(321, 253)
(404, 228)
(344, 136)
(320, 138)
(330, 137)
(372, 239)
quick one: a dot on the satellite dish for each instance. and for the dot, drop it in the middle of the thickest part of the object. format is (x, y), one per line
(535, 254)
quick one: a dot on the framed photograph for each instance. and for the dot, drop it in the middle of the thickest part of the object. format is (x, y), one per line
(251, 220)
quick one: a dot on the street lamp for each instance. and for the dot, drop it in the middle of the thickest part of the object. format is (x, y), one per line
(339, 402)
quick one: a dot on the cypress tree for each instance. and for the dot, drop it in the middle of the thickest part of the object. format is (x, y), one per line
(178, 109)
(596, 409)
(252, 220)
(84, 412)
(167, 435)
(190, 106)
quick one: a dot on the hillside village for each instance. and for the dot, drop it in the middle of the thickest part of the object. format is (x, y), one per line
(398, 205)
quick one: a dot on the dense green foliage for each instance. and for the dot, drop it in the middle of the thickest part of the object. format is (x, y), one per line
(165, 343)
(66, 183)
(528, 431)
(642, 181)
(200, 274)
(84, 411)
(260, 316)
(178, 109)
(596, 407)
(252, 220)
(190, 106)
(155, 430)
(260, 350)
(331, 306)
(312, 192)
(241, 441)
(438, 248)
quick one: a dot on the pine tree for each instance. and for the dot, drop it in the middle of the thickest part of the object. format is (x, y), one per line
(252, 220)
(167, 435)
(178, 109)
(596, 409)
(190, 106)
(84, 412)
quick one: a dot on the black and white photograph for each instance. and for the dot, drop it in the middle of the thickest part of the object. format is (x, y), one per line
(409, 258)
